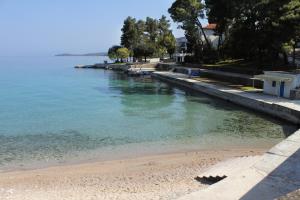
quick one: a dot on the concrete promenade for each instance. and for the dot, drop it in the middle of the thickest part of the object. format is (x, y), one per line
(277, 107)
(277, 172)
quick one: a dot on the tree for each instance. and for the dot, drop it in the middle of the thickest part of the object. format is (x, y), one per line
(130, 34)
(189, 12)
(112, 52)
(141, 28)
(195, 44)
(123, 53)
(144, 50)
(166, 39)
(152, 29)
(148, 38)
(291, 18)
(168, 42)
(257, 29)
(163, 25)
(220, 12)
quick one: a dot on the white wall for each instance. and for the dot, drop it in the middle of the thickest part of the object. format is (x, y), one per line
(289, 85)
(214, 39)
(269, 89)
(287, 89)
(153, 60)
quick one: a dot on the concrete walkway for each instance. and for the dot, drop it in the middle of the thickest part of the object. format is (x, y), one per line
(275, 175)
(277, 107)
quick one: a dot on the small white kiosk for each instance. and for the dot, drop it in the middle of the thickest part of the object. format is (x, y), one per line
(280, 83)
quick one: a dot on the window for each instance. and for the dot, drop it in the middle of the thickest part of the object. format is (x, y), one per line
(274, 84)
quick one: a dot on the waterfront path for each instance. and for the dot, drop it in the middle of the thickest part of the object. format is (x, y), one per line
(277, 107)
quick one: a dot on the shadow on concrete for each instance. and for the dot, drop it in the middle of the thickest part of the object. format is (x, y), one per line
(283, 180)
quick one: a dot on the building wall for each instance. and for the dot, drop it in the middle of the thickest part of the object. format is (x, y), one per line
(153, 60)
(269, 89)
(181, 44)
(212, 37)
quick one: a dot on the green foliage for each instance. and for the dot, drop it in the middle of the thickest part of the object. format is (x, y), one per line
(169, 42)
(123, 53)
(144, 50)
(166, 41)
(164, 25)
(188, 13)
(112, 52)
(141, 28)
(130, 34)
(118, 53)
(195, 44)
(152, 28)
(210, 55)
(220, 12)
(257, 29)
(151, 37)
(186, 10)
(254, 30)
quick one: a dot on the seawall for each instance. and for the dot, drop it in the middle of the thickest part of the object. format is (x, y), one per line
(276, 107)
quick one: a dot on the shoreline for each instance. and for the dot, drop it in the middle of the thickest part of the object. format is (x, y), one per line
(148, 177)
(131, 151)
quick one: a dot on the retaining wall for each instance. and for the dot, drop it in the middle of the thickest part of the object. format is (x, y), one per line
(235, 96)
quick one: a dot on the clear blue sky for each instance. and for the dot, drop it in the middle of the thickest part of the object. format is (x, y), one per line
(48, 27)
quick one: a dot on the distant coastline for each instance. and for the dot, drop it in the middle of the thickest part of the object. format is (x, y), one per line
(87, 54)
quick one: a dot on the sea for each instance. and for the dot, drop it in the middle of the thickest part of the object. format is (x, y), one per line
(53, 114)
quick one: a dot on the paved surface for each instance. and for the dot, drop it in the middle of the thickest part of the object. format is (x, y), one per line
(275, 175)
(231, 167)
(291, 196)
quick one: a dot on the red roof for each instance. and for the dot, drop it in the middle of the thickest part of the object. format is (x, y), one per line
(211, 27)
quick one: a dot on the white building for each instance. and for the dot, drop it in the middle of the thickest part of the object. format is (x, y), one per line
(153, 60)
(181, 43)
(211, 35)
(281, 84)
(181, 49)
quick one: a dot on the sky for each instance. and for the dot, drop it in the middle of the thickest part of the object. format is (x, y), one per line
(49, 27)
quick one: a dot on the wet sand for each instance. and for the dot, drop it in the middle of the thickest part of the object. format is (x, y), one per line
(153, 177)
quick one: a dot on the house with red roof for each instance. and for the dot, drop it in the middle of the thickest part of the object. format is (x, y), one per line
(181, 43)
(211, 35)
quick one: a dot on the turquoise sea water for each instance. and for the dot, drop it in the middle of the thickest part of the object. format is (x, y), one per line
(51, 113)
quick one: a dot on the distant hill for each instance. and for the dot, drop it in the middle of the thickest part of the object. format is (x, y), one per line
(87, 54)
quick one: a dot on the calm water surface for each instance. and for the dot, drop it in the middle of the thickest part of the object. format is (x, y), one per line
(51, 113)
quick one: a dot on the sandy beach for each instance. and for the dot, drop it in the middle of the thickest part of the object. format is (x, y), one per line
(153, 177)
